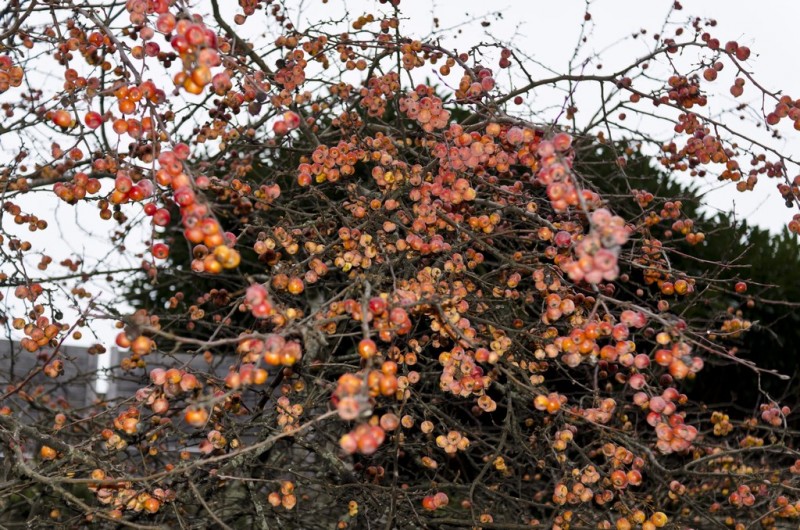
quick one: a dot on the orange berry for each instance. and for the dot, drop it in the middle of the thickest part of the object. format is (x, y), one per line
(388, 385)
(196, 417)
(295, 286)
(126, 106)
(120, 126)
(123, 341)
(623, 524)
(201, 75)
(429, 503)
(367, 348)
(152, 505)
(659, 519)
(619, 479)
(553, 406)
(191, 87)
(141, 345)
(62, 118)
(47, 453)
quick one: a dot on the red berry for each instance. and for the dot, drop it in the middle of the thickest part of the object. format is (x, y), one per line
(280, 128)
(742, 53)
(123, 183)
(161, 217)
(377, 305)
(160, 251)
(93, 120)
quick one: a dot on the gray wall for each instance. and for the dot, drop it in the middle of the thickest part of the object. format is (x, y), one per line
(76, 385)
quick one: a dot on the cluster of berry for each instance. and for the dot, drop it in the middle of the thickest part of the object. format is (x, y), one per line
(423, 106)
(598, 251)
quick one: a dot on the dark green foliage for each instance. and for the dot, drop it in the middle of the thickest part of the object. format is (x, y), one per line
(732, 251)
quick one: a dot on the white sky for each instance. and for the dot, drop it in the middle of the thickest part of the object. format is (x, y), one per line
(548, 31)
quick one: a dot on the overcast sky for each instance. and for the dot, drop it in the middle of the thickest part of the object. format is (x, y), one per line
(548, 31)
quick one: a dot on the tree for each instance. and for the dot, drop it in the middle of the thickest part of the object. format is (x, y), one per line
(369, 300)
(769, 262)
